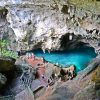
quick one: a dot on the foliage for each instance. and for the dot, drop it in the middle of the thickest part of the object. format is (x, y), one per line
(90, 5)
(96, 75)
(96, 79)
(3, 50)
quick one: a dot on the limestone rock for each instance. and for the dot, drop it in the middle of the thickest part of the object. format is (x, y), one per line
(35, 23)
(25, 95)
(87, 93)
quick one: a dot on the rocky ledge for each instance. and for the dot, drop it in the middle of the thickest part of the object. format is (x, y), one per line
(23, 83)
(85, 86)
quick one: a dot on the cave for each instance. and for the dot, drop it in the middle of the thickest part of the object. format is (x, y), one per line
(67, 44)
(3, 13)
(71, 52)
(74, 41)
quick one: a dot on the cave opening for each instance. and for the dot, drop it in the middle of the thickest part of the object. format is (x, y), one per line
(65, 9)
(11, 76)
(3, 13)
(72, 52)
(70, 41)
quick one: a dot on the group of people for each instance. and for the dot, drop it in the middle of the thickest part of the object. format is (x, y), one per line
(39, 64)
(68, 73)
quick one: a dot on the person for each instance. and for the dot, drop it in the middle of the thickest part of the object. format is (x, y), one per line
(33, 56)
(63, 75)
(30, 56)
(18, 52)
(71, 72)
(68, 73)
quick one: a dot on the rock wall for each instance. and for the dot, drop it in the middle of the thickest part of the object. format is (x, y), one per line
(32, 24)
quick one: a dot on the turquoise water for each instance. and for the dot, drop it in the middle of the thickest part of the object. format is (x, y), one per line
(79, 57)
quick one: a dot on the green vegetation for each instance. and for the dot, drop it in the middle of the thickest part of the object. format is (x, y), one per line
(4, 52)
(96, 80)
(90, 5)
(96, 76)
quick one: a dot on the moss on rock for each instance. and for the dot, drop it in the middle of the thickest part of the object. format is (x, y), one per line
(96, 80)
(6, 63)
(90, 5)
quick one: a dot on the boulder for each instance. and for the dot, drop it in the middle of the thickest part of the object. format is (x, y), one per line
(88, 93)
(7, 64)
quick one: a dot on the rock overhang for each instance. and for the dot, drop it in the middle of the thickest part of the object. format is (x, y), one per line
(35, 22)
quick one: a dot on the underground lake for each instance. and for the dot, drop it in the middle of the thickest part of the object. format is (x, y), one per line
(79, 57)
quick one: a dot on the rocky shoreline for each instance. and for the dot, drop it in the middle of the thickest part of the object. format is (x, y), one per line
(71, 89)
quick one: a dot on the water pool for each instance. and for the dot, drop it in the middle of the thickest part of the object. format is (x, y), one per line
(79, 57)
